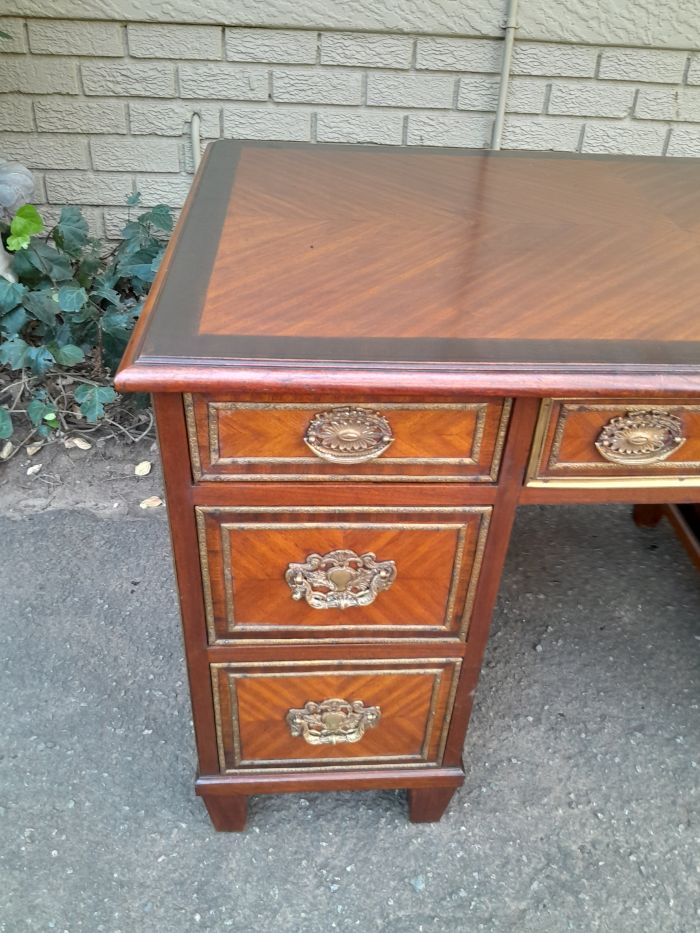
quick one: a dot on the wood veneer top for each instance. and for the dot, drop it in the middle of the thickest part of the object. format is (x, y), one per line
(300, 255)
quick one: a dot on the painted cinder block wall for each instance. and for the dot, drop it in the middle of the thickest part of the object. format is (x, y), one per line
(100, 106)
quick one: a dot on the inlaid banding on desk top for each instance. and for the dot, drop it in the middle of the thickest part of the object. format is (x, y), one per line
(294, 253)
(404, 352)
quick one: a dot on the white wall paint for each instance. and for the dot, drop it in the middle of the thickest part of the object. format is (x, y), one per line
(658, 23)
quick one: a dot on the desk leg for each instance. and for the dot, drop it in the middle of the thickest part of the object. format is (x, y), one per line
(647, 516)
(428, 805)
(228, 814)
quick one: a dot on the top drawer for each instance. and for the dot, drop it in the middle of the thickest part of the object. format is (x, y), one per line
(346, 440)
(616, 442)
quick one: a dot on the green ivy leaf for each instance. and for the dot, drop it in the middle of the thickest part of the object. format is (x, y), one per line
(39, 360)
(5, 423)
(68, 355)
(41, 305)
(50, 262)
(138, 270)
(133, 199)
(118, 323)
(14, 321)
(71, 298)
(25, 271)
(89, 266)
(13, 352)
(38, 410)
(92, 400)
(109, 294)
(71, 232)
(10, 294)
(25, 224)
(159, 217)
(132, 230)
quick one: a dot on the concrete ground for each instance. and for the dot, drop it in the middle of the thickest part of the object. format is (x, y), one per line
(580, 809)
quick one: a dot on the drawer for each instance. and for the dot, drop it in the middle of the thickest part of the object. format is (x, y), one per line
(299, 714)
(339, 571)
(616, 442)
(237, 440)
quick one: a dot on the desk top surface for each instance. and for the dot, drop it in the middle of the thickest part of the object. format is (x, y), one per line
(304, 256)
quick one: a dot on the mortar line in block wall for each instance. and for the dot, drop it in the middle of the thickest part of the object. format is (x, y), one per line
(496, 36)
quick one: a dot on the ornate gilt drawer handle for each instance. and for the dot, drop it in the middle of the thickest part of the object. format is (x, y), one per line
(348, 435)
(641, 437)
(332, 722)
(340, 579)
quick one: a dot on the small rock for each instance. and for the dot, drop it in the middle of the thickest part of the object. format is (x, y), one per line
(417, 883)
(33, 470)
(6, 450)
(143, 468)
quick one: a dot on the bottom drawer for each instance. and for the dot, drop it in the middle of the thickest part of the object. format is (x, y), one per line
(294, 715)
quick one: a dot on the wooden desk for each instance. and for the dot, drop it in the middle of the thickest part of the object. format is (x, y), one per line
(363, 360)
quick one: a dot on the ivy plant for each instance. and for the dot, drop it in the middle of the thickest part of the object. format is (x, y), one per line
(66, 319)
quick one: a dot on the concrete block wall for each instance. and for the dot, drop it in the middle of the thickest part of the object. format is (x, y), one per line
(100, 109)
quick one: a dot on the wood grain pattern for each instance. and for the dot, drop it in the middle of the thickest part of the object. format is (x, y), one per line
(237, 440)
(304, 251)
(245, 554)
(252, 705)
(360, 259)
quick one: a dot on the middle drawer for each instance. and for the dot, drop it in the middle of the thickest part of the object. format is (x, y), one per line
(305, 572)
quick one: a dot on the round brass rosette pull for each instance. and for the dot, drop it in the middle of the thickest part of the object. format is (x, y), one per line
(348, 435)
(340, 579)
(641, 437)
(332, 722)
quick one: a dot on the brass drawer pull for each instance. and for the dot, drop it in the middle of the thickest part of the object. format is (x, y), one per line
(340, 579)
(348, 435)
(332, 722)
(641, 437)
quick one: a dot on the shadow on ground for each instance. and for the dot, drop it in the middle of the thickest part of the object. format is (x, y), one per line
(579, 812)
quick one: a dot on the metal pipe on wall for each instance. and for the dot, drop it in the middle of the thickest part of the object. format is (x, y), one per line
(195, 140)
(508, 41)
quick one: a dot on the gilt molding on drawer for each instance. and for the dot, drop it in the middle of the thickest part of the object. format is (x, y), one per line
(481, 425)
(566, 450)
(252, 702)
(245, 553)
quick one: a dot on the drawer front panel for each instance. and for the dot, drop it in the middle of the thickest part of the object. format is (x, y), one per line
(231, 440)
(616, 442)
(341, 714)
(328, 571)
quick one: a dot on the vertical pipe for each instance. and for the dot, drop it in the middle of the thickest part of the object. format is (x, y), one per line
(195, 139)
(508, 40)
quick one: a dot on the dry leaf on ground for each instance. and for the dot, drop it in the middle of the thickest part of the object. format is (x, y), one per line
(78, 442)
(6, 450)
(34, 448)
(143, 468)
(32, 470)
(151, 503)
